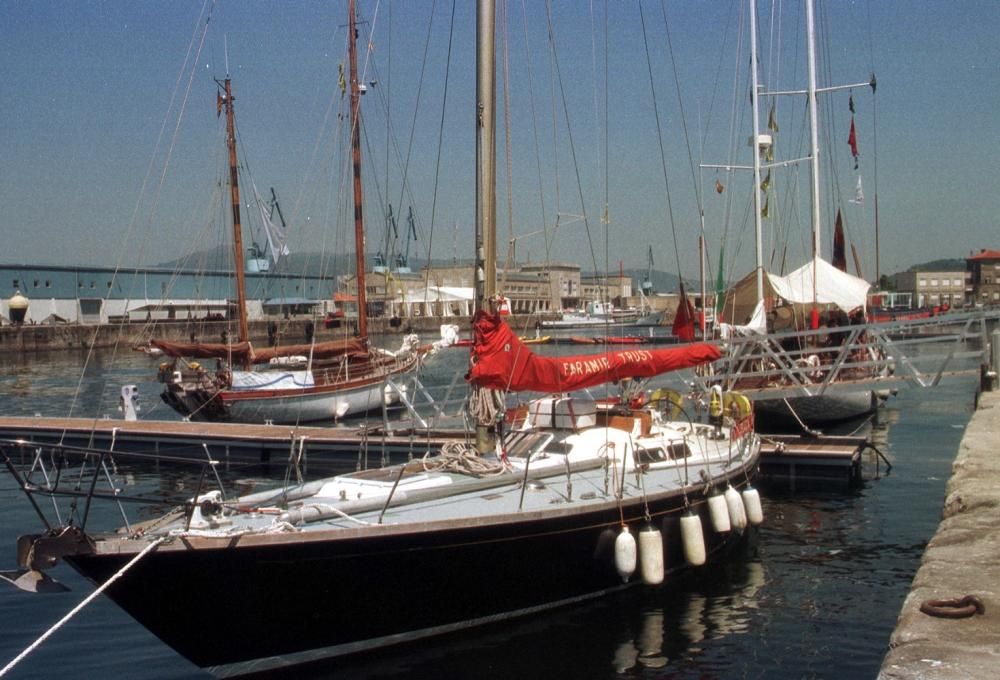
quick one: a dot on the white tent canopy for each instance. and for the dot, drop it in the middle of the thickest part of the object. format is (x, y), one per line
(833, 287)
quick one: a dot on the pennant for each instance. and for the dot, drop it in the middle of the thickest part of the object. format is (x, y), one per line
(765, 211)
(859, 194)
(839, 253)
(683, 327)
(720, 286)
(341, 81)
(765, 183)
(719, 188)
(769, 154)
(772, 120)
(218, 104)
(850, 103)
(852, 139)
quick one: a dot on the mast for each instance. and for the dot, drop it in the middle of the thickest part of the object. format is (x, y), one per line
(758, 238)
(234, 192)
(486, 257)
(485, 272)
(813, 128)
(359, 223)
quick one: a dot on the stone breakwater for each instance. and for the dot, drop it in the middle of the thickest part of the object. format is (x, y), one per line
(963, 558)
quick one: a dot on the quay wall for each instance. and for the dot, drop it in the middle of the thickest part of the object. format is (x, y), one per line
(963, 558)
(33, 338)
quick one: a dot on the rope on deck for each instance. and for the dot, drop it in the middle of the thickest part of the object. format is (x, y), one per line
(90, 598)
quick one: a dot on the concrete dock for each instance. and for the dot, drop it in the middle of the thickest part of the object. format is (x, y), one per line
(963, 558)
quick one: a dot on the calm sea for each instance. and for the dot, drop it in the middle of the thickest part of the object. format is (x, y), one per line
(817, 597)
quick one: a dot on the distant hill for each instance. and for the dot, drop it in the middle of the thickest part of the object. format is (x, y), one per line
(946, 265)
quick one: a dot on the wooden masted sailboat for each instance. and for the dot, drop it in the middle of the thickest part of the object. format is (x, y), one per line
(300, 383)
(587, 498)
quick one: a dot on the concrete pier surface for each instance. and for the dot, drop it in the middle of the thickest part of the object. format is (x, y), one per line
(963, 558)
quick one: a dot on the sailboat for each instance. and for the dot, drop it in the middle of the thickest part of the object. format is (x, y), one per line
(315, 381)
(793, 301)
(582, 498)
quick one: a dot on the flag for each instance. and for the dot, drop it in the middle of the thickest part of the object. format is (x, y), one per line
(765, 183)
(859, 194)
(839, 254)
(850, 103)
(719, 188)
(772, 120)
(218, 104)
(683, 327)
(852, 139)
(341, 81)
(720, 287)
(764, 212)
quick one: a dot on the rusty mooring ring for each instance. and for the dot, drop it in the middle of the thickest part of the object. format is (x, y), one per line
(957, 608)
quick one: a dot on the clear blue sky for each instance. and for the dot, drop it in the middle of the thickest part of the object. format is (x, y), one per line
(90, 87)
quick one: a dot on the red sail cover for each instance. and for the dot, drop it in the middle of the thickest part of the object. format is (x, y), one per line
(502, 362)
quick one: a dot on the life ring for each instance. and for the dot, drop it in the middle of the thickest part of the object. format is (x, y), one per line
(668, 402)
(737, 405)
(956, 608)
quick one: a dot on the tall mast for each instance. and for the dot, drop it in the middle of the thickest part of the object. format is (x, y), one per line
(486, 268)
(359, 222)
(813, 127)
(758, 228)
(234, 192)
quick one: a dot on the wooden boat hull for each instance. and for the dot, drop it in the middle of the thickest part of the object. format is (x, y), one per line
(235, 606)
(320, 402)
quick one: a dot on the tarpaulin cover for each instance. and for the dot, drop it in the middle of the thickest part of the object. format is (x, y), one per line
(502, 362)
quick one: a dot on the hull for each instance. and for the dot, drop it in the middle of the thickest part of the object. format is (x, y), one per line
(282, 600)
(308, 406)
(320, 402)
(820, 410)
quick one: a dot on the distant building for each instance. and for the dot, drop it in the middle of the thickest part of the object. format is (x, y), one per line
(101, 295)
(934, 289)
(984, 273)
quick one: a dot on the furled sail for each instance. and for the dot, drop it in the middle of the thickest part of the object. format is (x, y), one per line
(244, 352)
(501, 361)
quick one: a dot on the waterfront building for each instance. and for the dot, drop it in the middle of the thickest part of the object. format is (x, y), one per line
(934, 289)
(102, 295)
(984, 273)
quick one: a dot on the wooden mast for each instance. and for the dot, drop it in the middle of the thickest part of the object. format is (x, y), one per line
(234, 191)
(359, 223)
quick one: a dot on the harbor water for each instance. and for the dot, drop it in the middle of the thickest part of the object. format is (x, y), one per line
(816, 597)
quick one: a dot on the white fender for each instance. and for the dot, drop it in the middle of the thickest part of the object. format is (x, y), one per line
(625, 554)
(719, 513)
(737, 513)
(651, 555)
(751, 499)
(693, 539)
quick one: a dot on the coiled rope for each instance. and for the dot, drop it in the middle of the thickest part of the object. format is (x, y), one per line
(90, 598)
(462, 458)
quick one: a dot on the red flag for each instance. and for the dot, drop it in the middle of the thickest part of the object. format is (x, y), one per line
(852, 139)
(839, 252)
(683, 326)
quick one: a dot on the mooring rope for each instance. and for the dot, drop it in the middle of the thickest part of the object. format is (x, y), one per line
(90, 598)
